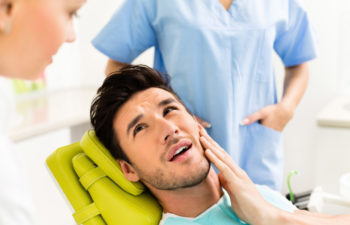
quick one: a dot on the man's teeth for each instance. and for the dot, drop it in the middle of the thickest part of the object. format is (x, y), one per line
(180, 150)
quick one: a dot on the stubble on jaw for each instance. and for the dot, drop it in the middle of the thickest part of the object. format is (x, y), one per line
(162, 181)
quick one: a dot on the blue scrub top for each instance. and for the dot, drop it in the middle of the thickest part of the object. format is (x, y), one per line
(220, 63)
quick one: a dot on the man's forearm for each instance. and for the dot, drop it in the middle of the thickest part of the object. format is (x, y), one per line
(113, 66)
(301, 217)
(295, 84)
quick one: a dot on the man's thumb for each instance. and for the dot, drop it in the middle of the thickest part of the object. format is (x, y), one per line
(223, 182)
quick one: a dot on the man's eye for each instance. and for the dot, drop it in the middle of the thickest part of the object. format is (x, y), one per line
(138, 128)
(168, 110)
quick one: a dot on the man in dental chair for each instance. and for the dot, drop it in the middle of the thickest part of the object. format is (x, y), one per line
(157, 141)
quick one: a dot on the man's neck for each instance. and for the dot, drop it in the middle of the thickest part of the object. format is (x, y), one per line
(190, 202)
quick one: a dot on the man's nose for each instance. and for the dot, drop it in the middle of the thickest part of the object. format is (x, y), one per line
(168, 130)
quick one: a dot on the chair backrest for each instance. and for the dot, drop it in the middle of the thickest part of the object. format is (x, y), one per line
(95, 186)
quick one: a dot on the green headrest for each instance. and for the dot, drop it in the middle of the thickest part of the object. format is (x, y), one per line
(106, 162)
(115, 205)
(96, 188)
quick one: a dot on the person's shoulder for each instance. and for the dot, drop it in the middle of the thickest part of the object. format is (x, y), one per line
(286, 6)
(267, 192)
(172, 219)
(275, 198)
(147, 4)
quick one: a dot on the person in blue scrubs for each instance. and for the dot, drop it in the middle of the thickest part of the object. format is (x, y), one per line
(219, 56)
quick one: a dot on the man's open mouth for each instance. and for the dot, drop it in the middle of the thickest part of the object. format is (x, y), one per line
(180, 151)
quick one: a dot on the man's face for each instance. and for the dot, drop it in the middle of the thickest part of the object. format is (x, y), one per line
(161, 139)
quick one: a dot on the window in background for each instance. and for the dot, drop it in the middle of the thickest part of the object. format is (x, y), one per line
(344, 47)
(64, 72)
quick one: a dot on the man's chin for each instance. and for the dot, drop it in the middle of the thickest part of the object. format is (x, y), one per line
(198, 178)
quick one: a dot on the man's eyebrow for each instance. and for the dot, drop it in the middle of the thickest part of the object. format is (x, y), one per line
(138, 117)
(134, 122)
(166, 102)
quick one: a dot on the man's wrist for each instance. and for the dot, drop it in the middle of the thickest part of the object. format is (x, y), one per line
(277, 217)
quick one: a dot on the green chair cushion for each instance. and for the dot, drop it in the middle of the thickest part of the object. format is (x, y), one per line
(113, 202)
(103, 158)
(95, 186)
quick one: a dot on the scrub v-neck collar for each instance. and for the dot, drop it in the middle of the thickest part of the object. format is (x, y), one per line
(223, 15)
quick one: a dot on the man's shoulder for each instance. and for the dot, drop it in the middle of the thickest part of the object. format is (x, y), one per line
(172, 219)
(219, 213)
(275, 198)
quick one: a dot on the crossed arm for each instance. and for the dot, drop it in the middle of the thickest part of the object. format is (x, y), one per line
(247, 203)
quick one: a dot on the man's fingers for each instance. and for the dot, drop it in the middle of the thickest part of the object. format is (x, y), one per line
(220, 154)
(204, 133)
(224, 169)
(208, 142)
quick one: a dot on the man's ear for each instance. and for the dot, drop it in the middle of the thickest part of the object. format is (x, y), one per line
(129, 171)
(5, 15)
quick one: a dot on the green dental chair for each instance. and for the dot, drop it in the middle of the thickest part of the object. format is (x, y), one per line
(96, 188)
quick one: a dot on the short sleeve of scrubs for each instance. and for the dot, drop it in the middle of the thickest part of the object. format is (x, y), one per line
(296, 40)
(127, 34)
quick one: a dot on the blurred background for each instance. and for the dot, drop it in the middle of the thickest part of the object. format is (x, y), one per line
(316, 141)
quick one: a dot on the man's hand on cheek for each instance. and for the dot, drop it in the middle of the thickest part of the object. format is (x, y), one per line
(246, 201)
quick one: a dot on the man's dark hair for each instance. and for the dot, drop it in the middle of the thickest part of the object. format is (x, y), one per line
(116, 90)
